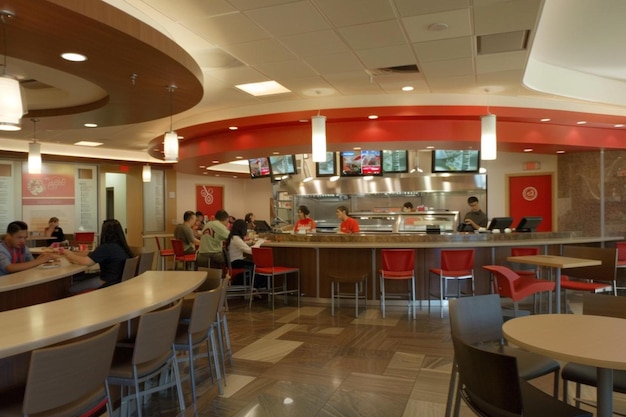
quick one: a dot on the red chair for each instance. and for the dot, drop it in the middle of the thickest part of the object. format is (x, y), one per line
(181, 256)
(525, 251)
(85, 238)
(456, 265)
(398, 264)
(264, 266)
(510, 285)
(163, 253)
(621, 254)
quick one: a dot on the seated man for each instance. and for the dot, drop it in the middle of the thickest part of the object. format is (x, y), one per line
(14, 255)
(184, 232)
(214, 234)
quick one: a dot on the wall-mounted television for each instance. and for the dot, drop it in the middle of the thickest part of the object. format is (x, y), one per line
(500, 223)
(327, 168)
(283, 164)
(395, 162)
(361, 163)
(260, 167)
(528, 224)
(452, 161)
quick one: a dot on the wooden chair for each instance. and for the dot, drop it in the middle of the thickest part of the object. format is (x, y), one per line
(145, 262)
(457, 266)
(264, 266)
(491, 386)
(478, 320)
(130, 268)
(398, 265)
(149, 355)
(596, 305)
(65, 379)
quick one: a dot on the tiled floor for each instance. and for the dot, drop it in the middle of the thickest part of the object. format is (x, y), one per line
(291, 362)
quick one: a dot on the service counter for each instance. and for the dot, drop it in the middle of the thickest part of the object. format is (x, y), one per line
(317, 255)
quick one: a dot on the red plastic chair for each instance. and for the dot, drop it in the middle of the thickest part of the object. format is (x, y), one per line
(163, 253)
(180, 255)
(398, 264)
(525, 251)
(264, 266)
(621, 254)
(510, 285)
(456, 265)
(85, 238)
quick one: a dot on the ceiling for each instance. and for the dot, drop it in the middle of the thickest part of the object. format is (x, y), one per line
(345, 59)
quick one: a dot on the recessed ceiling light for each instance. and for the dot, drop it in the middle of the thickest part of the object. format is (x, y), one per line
(239, 157)
(73, 56)
(304, 120)
(430, 147)
(582, 122)
(87, 143)
(528, 149)
(263, 89)
(372, 117)
(90, 125)
(545, 120)
(437, 27)
(205, 173)
(233, 127)
(215, 161)
(202, 166)
(619, 125)
(357, 148)
(276, 153)
(408, 88)
(482, 170)
(560, 151)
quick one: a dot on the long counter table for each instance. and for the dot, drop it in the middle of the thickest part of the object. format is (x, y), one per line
(318, 255)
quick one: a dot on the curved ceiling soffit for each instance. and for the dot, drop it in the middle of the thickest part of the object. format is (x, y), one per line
(117, 46)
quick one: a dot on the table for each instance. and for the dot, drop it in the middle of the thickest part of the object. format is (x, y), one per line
(36, 239)
(588, 340)
(556, 263)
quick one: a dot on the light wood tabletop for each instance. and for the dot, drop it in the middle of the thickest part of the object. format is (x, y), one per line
(556, 263)
(585, 339)
(29, 328)
(39, 275)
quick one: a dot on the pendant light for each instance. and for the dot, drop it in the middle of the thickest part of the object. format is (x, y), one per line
(318, 138)
(488, 140)
(34, 152)
(11, 108)
(305, 168)
(170, 142)
(146, 173)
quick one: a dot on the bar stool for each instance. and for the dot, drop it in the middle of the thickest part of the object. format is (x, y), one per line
(398, 264)
(348, 277)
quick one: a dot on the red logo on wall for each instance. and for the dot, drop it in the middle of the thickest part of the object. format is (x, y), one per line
(530, 193)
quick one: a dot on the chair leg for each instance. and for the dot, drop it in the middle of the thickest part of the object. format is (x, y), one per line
(356, 299)
(452, 389)
(443, 290)
(413, 301)
(382, 296)
(332, 298)
(555, 390)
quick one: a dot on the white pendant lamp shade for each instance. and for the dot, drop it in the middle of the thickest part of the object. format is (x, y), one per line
(146, 173)
(488, 142)
(318, 138)
(170, 147)
(34, 158)
(11, 109)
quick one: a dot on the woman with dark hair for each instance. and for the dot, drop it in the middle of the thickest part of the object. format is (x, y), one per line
(249, 219)
(111, 255)
(237, 248)
(305, 223)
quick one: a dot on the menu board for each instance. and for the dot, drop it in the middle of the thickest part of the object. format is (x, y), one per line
(361, 163)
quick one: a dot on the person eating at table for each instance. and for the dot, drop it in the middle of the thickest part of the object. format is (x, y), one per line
(111, 255)
(348, 224)
(14, 255)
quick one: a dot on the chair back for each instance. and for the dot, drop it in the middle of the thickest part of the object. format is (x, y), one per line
(213, 278)
(70, 372)
(457, 260)
(398, 260)
(156, 333)
(476, 319)
(204, 311)
(84, 237)
(158, 243)
(130, 268)
(504, 280)
(604, 273)
(263, 257)
(179, 247)
(145, 262)
(604, 305)
(490, 381)
(524, 251)
(621, 251)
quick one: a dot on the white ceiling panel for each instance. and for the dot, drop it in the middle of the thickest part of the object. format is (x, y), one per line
(260, 52)
(256, 4)
(373, 35)
(390, 56)
(227, 29)
(334, 63)
(181, 10)
(501, 62)
(451, 68)
(289, 19)
(285, 70)
(444, 49)
(506, 17)
(355, 12)
(416, 7)
(315, 43)
(458, 21)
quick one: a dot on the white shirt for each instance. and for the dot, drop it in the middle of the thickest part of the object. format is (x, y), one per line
(238, 248)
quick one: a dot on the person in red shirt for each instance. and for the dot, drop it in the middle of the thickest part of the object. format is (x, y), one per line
(348, 224)
(305, 224)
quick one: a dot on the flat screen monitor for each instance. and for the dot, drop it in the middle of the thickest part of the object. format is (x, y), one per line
(500, 223)
(361, 163)
(259, 167)
(450, 161)
(327, 168)
(528, 224)
(261, 226)
(283, 164)
(395, 162)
